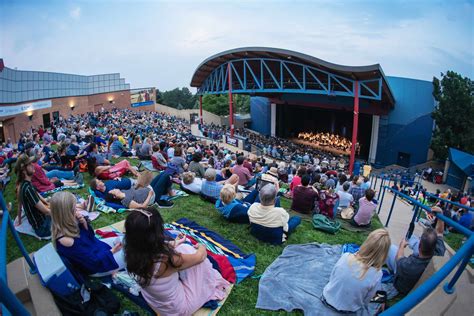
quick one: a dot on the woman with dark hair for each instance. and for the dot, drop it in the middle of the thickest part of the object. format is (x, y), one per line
(226, 171)
(110, 172)
(176, 278)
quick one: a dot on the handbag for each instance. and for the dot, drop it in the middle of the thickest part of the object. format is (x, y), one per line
(102, 300)
(347, 212)
(324, 224)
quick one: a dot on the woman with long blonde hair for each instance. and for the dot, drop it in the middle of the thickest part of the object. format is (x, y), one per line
(74, 239)
(356, 277)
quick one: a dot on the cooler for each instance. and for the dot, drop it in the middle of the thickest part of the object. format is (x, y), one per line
(53, 272)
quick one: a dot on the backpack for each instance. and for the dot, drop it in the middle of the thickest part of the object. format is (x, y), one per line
(103, 301)
(323, 223)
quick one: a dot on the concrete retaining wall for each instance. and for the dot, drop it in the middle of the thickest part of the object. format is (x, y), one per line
(208, 117)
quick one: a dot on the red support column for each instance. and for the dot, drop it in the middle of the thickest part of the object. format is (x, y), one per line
(231, 110)
(200, 110)
(355, 125)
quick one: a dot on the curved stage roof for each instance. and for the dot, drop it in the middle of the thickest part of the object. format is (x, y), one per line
(360, 73)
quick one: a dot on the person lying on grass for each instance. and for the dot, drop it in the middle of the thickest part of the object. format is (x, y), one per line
(132, 198)
(110, 172)
(176, 278)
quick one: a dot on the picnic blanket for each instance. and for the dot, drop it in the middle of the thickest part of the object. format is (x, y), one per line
(177, 194)
(192, 229)
(149, 166)
(102, 205)
(226, 257)
(26, 228)
(64, 187)
(295, 280)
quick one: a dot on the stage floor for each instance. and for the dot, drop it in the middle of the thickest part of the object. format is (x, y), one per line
(328, 149)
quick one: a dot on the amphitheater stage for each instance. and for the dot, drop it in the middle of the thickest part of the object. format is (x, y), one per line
(328, 149)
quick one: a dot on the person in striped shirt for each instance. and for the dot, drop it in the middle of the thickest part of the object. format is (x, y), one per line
(36, 207)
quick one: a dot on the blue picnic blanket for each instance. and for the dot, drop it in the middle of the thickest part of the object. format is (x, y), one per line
(295, 280)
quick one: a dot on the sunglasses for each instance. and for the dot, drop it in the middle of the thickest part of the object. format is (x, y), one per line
(146, 213)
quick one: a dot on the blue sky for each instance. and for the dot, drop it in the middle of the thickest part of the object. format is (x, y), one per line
(160, 43)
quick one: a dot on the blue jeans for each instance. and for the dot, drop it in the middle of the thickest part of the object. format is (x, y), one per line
(161, 185)
(45, 229)
(67, 175)
(293, 222)
(55, 167)
(8, 162)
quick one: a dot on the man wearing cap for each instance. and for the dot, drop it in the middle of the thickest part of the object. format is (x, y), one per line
(36, 208)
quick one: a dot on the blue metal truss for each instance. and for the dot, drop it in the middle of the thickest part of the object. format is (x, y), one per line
(267, 75)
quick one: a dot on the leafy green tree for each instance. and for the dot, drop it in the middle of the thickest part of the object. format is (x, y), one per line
(219, 104)
(179, 98)
(454, 114)
(159, 97)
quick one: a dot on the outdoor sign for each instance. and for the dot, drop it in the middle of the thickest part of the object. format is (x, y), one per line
(22, 108)
(231, 141)
(142, 97)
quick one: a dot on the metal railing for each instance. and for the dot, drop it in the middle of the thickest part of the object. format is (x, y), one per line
(462, 257)
(9, 303)
(431, 195)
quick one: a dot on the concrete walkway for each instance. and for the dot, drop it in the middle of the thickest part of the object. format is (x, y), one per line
(401, 217)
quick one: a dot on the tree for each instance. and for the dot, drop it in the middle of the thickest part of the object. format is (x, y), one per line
(219, 104)
(454, 114)
(179, 97)
(159, 97)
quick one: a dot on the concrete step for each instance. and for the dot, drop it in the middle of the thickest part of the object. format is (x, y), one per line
(439, 302)
(28, 288)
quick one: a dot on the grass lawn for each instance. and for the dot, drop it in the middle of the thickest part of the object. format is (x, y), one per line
(243, 297)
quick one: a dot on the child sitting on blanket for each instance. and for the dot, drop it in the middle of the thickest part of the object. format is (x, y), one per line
(356, 278)
(74, 239)
(176, 278)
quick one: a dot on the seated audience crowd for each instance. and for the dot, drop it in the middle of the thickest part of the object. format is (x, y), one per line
(177, 278)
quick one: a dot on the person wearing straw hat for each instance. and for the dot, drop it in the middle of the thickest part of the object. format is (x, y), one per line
(36, 207)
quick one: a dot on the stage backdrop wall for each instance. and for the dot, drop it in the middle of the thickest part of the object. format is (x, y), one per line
(260, 113)
(405, 134)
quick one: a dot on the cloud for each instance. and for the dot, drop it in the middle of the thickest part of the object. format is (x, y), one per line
(75, 13)
(165, 41)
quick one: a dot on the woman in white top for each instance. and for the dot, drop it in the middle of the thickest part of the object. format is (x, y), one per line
(356, 277)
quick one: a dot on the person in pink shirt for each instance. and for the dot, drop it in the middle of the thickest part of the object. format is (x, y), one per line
(248, 165)
(176, 278)
(297, 179)
(366, 210)
(243, 173)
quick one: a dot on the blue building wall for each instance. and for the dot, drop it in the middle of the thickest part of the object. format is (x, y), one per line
(408, 127)
(455, 177)
(260, 111)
